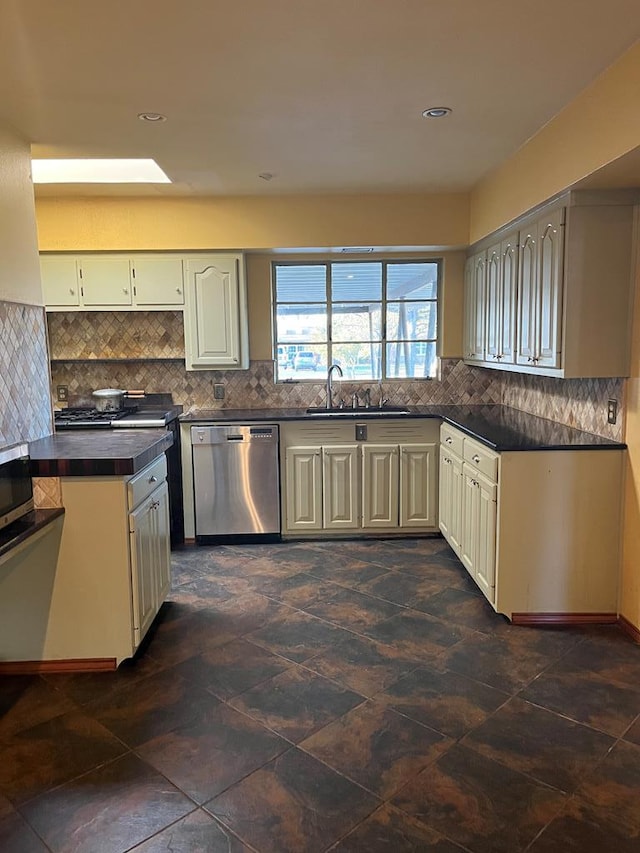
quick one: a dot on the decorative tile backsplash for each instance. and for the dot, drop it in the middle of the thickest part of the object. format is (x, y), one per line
(25, 408)
(159, 335)
(116, 334)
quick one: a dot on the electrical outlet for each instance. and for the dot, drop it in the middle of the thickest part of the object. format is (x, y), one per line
(63, 393)
(218, 392)
(612, 411)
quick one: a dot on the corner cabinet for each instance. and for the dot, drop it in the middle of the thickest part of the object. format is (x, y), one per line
(215, 318)
(537, 530)
(333, 484)
(556, 289)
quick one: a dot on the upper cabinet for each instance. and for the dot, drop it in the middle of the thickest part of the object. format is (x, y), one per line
(215, 316)
(557, 290)
(111, 282)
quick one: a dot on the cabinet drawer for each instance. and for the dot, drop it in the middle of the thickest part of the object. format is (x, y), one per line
(140, 486)
(451, 438)
(484, 460)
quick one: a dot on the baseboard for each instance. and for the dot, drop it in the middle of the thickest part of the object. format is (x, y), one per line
(629, 628)
(564, 619)
(39, 667)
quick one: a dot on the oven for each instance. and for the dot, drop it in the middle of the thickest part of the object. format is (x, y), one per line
(154, 411)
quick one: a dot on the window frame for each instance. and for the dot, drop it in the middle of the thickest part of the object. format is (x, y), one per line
(383, 342)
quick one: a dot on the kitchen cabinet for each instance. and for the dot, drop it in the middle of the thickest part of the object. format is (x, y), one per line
(302, 478)
(475, 308)
(215, 313)
(149, 547)
(112, 571)
(111, 281)
(340, 487)
(541, 286)
(560, 279)
(537, 530)
(468, 511)
(384, 483)
(501, 291)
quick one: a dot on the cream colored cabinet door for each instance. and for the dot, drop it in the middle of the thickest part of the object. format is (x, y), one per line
(157, 281)
(163, 539)
(528, 296)
(60, 281)
(486, 517)
(340, 488)
(493, 293)
(474, 308)
(508, 298)
(479, 515)
(541, 269)
(380, 485)
(303, 483)
(105, 281)
(215, 312)
(450, 502)
(418, 485)
(550, 281)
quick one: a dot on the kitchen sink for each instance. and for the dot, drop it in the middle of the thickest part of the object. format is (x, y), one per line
(370, 412)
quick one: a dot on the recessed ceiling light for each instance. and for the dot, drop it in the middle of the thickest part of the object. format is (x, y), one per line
(151, 117)
(96, 171)
(436, 112)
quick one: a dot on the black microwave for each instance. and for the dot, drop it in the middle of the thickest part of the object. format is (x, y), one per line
(16, 489)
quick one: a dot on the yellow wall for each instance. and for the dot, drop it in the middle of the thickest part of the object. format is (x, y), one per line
(96, 224)
(600, 125)
(630, 587)
(19, 269)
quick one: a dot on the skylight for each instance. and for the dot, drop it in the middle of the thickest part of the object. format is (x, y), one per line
(95, 171)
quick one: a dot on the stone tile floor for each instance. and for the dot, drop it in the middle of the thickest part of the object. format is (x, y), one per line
(355, 697)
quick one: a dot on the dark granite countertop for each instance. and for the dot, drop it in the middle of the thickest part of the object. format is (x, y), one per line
(499, 427)
(97, 452)
(24, 528)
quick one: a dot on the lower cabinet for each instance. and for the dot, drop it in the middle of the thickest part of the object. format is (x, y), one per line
(384, 483)
(468, 505)
(113, 567)
(537, 530)
(150, 558)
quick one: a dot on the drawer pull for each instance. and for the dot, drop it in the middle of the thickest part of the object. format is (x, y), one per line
(153, 479)
(449, 440)
(475, 459)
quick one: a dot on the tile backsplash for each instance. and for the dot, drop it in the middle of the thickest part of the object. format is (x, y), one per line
(25, 407)
(147, 351)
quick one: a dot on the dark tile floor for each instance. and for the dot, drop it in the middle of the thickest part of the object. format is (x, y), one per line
(356, 697)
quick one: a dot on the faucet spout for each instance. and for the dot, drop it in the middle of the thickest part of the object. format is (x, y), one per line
(337, 368)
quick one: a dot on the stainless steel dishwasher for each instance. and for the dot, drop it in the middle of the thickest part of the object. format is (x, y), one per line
(236, 481)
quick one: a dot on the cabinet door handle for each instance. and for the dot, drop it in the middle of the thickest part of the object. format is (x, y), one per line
(449, 440)
(124, 290)
(71, 291)
(178, 290)
(153, 479)
(475, 459)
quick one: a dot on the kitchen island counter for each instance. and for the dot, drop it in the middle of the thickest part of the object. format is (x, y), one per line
(101, 453)
(500, 427)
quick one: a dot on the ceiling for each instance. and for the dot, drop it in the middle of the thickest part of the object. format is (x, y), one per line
(327, 95)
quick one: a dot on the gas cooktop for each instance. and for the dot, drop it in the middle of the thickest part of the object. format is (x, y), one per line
(131, 417)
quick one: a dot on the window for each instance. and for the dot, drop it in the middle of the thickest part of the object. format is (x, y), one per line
(376, 319)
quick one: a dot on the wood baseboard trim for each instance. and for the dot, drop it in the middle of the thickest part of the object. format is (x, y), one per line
(39, 667)
(564, 619)
(629, 628)
(189, 541)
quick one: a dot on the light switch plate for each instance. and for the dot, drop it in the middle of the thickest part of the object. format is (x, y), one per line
(218, 392)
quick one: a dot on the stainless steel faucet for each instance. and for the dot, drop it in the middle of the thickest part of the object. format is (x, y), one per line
(330, 385)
